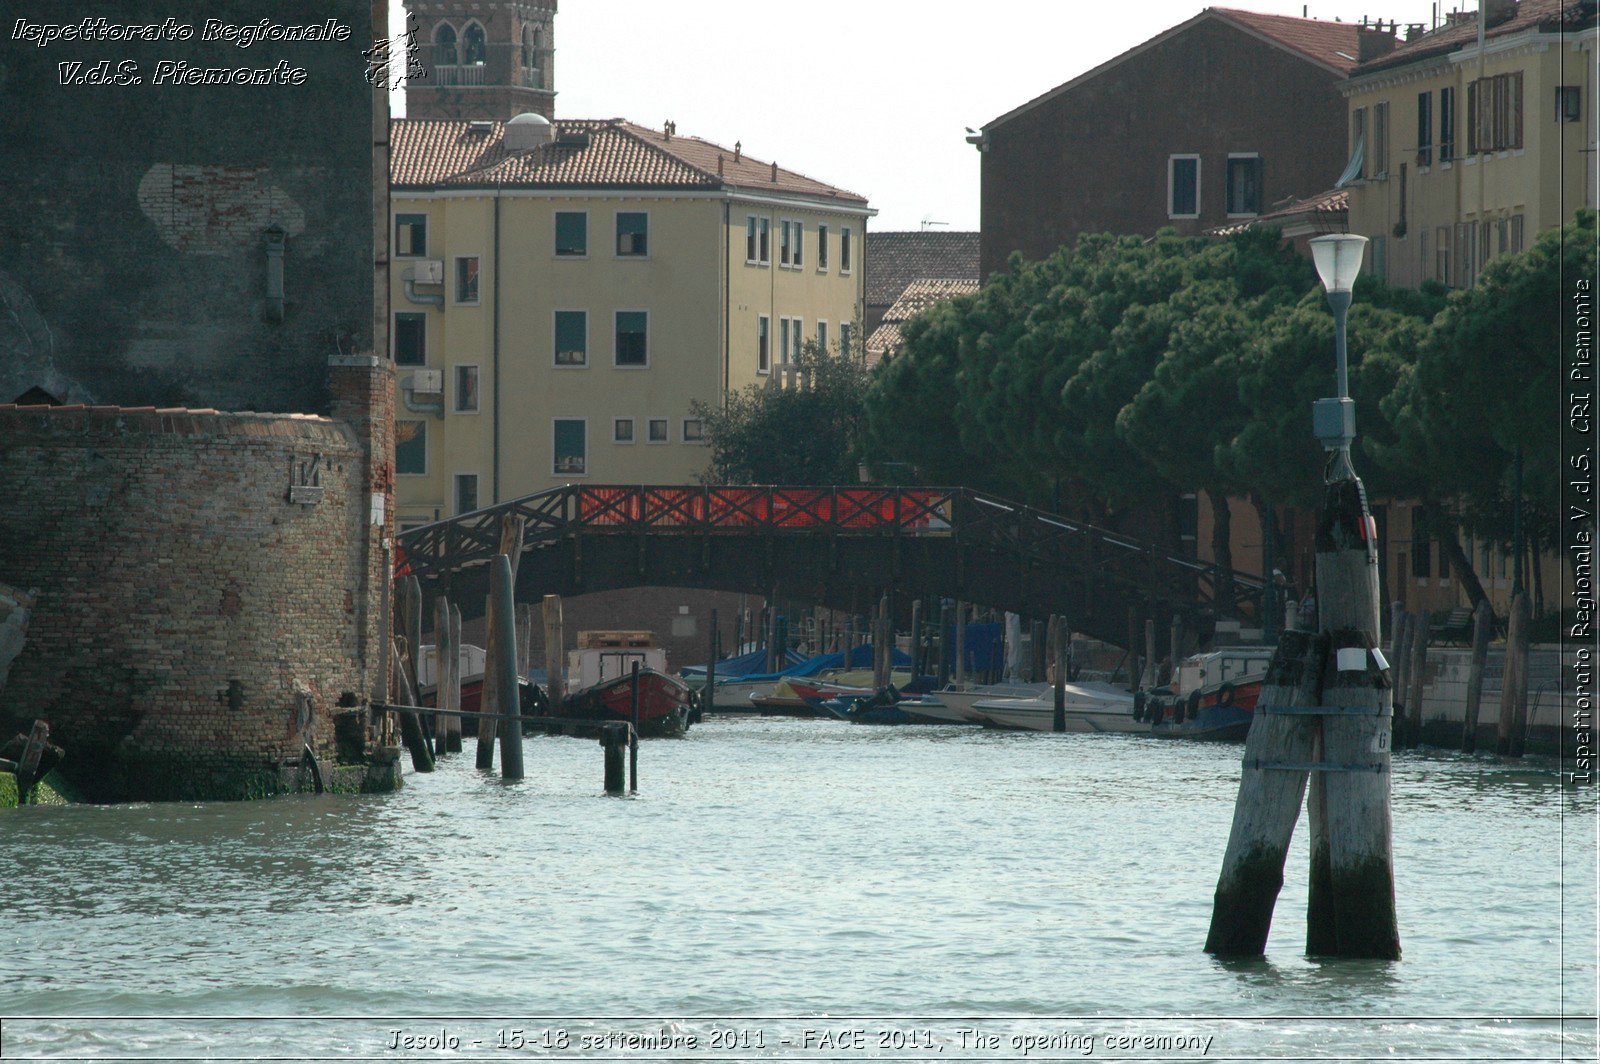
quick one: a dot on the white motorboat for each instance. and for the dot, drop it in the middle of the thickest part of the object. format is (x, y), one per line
(1090, 707)
(956, 706)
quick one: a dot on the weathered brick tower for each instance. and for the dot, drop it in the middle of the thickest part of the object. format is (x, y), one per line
(483, 59)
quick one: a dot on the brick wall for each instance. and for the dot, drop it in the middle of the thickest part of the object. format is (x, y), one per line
(184, 598)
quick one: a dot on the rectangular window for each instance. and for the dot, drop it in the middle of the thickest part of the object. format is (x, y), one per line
(822, 248)
(466, 389)
(1380, 140)
(1244, 184)
(633, 328)
(466, 278)
(411, 448)
(750, 239)
(622, 430)
(844, 249)
(1379, 255)
(844, 339)
(633, 234)
(1494, 113)
(1358, 140)
(795, 325)
(570, 446)
(572, 338)
(763, 344)
(466, 492)
(1442, 257)
(1424, 129)
(694, 430)
(1421, 547)
(822, 337)
(766, 241)
(1466, 253)
(1515, 244)
(783, 341)
(658, 430)
(572, 234)
(799, 244)
(783, 243)
(1183, 186)
(411, 339)
(410, 235)
(1447, 125)
(1569, 103)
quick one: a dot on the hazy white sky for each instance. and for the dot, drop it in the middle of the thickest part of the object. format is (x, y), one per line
(870, 95)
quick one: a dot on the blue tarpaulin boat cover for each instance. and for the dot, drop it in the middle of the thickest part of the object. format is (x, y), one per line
(860, 658)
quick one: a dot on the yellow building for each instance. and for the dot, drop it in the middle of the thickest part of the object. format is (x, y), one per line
(1461, 153)
(563, 293)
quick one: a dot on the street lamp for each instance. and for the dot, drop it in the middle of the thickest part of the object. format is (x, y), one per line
(1338, 260)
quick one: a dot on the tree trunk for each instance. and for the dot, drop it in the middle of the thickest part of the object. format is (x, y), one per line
(1443, 527)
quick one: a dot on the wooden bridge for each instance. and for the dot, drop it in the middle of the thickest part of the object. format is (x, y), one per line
(838, 547)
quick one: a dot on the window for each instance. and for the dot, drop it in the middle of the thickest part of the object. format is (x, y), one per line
(411, 339)
(1494, 113)
(822, 248)
(694, 430)
(466, 492)
(633, 327)
(799, 244)
(572, 338)
(844, 339)
(466, 278)
(1421, 547)
(1379, 153)
(766, 241)
(1183, 186)
(622, 430)
(633, 233)
(1447, 125)
(750, 245)
(822, 336)
(410, 235)
(570, 434)
(783, 341)
(794, 324)
(763, 344)
(572, 234)
(1442, 255)
(466, 389)
(783, 243)
(1466, 253)
(1358, 142)
(844, 249)
(657, 430)
(444, 45)
(1569, 103)
(1514, 238)
(474, 45)
(1244, 184)
(1424, 129)
(410, 448)
(1379, 250)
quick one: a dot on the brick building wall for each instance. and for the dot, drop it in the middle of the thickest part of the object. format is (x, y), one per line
(184, 598)
(1093, 159)
(503, 86)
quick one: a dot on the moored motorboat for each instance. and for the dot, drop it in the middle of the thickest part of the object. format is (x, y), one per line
(1088, 707)
(663, 703)
(1212, 698)
(957, 704)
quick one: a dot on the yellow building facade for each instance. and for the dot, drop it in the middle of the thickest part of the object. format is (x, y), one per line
(564, 293)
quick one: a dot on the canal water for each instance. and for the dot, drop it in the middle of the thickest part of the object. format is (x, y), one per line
(788, 889)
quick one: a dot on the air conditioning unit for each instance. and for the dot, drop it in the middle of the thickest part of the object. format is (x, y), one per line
(427, 382)
(428, 271)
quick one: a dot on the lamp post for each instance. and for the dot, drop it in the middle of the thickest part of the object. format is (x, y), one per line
(1338, 260)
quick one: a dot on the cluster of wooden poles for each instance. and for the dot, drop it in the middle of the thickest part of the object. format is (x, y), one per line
(1410, 636)
(506, 658)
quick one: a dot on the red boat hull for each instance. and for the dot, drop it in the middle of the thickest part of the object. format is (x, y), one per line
(663, 703)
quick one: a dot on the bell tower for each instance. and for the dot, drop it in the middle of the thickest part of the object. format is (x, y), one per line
(482, 59)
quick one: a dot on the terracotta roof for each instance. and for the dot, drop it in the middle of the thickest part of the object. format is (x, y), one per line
(1547, 15)
(607, 153)
(1327, 210)
(918, 296)
(1333, 44)
(1314, 40)
(895, 259)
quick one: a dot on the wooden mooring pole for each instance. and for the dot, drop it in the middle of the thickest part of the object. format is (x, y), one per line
(882, 641)
(503, 626)
(614, 738)
(1416, 678)
(1058, 722)
(961, 645)
(444, 657)
(1514, 684)
(916, 639)
(511, 530)
(708, 693)
(1325, 709)
(554, 643)
(455, 677)
(1400, 668)
(410, 725)
(633, 732)
(1482, 628)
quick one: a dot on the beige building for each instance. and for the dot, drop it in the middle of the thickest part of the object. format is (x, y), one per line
(563, 293)
(1461, 153)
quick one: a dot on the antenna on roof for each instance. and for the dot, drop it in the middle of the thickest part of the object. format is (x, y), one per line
(928, 222)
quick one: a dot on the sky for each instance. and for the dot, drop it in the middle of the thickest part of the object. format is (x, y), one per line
(874, 96)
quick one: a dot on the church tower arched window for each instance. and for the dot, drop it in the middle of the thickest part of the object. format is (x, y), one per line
(474, 45)
(444, 45)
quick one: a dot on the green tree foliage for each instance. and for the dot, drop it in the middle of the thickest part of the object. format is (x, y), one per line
(806, 434)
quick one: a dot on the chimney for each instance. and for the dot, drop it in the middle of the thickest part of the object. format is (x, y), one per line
(719, 164)
(738, 148)
(774, 173)
(1373, 43)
